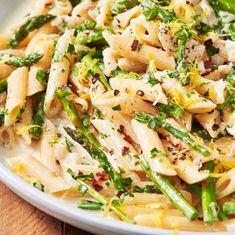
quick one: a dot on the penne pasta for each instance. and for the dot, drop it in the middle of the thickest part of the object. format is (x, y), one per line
(17, 85)
(38, 171)
(59, 70)
(120, 47)
(153, 149)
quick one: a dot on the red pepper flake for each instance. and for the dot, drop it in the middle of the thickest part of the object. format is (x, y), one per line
(111, 152)
(57, 162)
(119, 194)
(179, 147)
(206, 73)
(102, 176)
(128, 139)
(208, 64)
(125, 150)
(182, 157)
(135, 45)
(97, 186)
(48, 4)
(74, 89)
(208, 43)
(95, 78)
(122, 129)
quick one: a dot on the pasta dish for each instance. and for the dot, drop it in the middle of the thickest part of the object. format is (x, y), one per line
(126, 107)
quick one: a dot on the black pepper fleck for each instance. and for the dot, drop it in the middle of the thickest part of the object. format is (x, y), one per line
(116, 92)
(140, 93)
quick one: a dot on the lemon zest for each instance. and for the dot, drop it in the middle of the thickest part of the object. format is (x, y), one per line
(25, 129)
(18, 167)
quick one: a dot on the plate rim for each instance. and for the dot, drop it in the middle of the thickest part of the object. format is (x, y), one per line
(75, 216)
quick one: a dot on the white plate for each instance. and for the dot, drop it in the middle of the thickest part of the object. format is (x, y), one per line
(82, 219)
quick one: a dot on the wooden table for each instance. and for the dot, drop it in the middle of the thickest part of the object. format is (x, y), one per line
(17, 217)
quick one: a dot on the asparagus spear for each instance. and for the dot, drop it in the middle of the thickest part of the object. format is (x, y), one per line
(183, 35)
(232, 31)
(87, 24)
(101, 198)
(176, 198)
(42, 77)
(90, 205)
(98, 154)
(120, 6)
(224, 5)
(103, 79)
(152, 10)
(160, 121)
(209, 205)
(38, 116)
(30, 25)
(172, 109)
(3, 85)
(200, 131)
(73, 116)
(229, 208)
(228, 5)
(88, 140)
(28, 60)
(91, 37)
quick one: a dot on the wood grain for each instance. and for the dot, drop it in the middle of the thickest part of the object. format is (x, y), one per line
(17, 217)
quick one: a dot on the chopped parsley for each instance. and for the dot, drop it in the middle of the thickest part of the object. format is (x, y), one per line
(151, 79)
(19, 117)
(117, 107)
(211, 50)
(71, 48)
(75, 2)
(156, 153)
(103, 135)
(42, 77)
(172, 109)
(120, 6)
(39, 186)
(206, 93)
(175, 74)
(99, 114)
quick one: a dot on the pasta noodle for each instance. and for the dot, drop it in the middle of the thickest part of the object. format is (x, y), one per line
(17, 84)
(122, 48)
(59, 71)
(40, 172)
